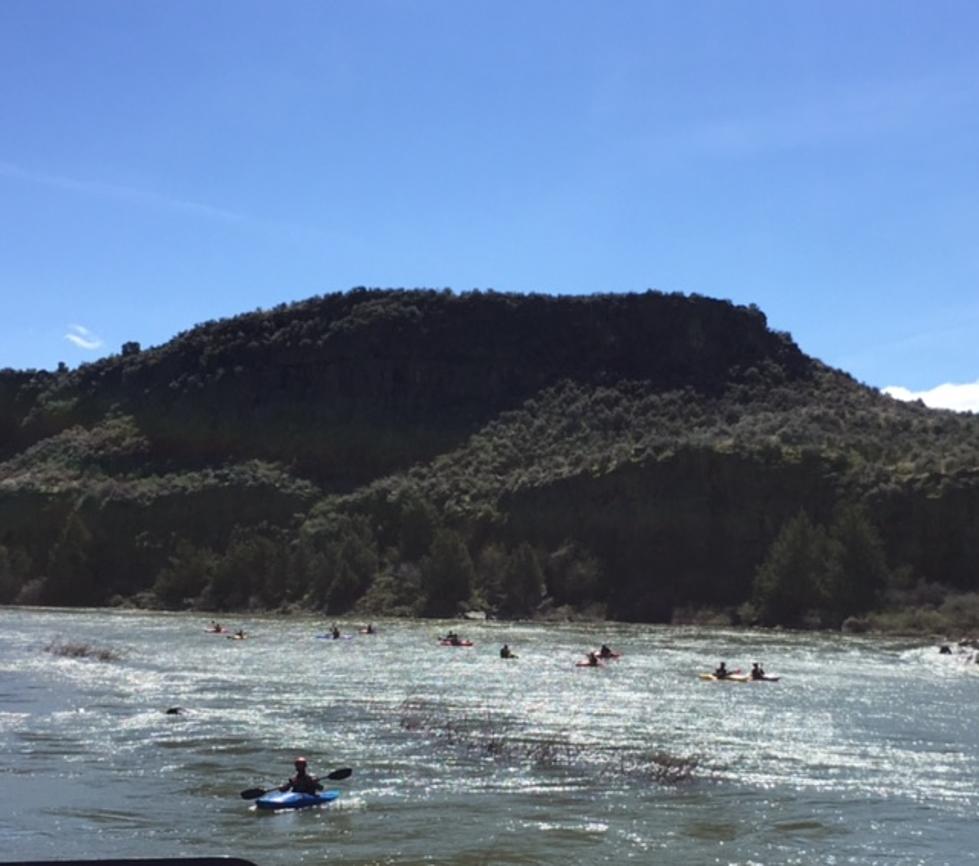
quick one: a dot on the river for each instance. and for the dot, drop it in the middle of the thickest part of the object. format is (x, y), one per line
(865, 752)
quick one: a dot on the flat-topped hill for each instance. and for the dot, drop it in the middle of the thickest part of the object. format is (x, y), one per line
(414, 451)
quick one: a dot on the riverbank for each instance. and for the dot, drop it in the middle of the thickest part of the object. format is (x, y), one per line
(927, 610)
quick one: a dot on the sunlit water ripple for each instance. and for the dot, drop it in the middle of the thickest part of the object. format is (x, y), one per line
(866, 752)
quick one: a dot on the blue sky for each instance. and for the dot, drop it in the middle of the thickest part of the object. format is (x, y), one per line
(166, 163)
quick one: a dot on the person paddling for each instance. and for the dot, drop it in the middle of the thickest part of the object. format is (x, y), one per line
(721, 672)
(302, 782)
(605, 652)
(592, 659)
(335, 632)
(505, 652)
(756, 672)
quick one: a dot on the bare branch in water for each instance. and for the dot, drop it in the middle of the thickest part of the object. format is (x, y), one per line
(82, 650)
(503, 739)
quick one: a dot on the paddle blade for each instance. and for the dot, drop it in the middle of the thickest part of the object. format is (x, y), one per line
(342, 773)
(252, 793)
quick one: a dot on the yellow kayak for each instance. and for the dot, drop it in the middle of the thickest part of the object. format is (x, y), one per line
(730, 678)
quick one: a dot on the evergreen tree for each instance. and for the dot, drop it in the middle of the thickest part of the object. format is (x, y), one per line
(574, 576)
(447, 574)
(188, 571)
(859, 572)
(9, 583)
(70, 579)
(488, 576)
(417, 530)
(523, 581)
(342, 559)
(356, 564)
(789, 583)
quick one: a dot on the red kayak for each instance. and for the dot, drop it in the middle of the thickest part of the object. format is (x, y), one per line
(457, 643)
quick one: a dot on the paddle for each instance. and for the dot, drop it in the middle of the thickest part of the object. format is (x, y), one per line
(255, 793)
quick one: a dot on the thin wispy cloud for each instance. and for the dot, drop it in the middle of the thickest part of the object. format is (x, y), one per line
(150, 198)
(134, 194)
(960, 398)
(83, 338)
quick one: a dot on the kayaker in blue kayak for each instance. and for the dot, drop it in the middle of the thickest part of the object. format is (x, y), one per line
(302, 782)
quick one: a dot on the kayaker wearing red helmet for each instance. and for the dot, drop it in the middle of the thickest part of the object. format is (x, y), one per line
(302, 782)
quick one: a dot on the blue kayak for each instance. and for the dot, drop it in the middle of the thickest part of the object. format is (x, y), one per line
(292, 800)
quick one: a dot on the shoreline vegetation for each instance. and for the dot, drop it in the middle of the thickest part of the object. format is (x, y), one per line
(926, 611)
(651, 457)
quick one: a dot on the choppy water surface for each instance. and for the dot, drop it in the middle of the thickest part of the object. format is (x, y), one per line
(867, 751)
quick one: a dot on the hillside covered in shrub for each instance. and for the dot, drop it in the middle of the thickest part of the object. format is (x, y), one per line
(645, 456)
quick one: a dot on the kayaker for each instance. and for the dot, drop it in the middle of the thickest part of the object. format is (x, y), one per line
(945, 649)
(240, 634)
(453, 638)
(369, 629)
(216, 627)
(756, 672)
(592, 659)
(505, 652)
(335, 633)
(302, 782)
(605, 652)
(721, 672)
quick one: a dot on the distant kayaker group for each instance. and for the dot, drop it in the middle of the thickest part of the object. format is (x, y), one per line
(217, 628)
(592, 658)
(756, 674)
(598, 658)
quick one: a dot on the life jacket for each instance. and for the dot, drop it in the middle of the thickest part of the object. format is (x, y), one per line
(303, 783)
